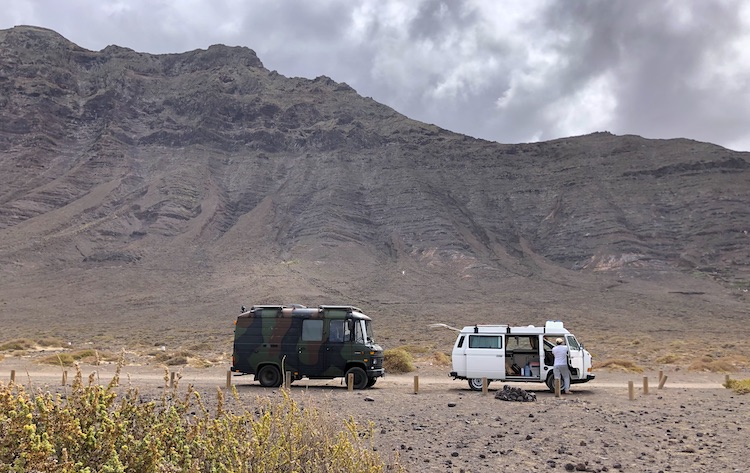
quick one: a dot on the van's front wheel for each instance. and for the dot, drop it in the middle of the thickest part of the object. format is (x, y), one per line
(360, 377)
(476, 384)
(269, 376)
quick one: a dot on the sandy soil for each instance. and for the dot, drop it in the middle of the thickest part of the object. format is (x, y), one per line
(692, 424)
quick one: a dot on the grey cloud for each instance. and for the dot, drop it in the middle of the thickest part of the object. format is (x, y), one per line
(664, 69)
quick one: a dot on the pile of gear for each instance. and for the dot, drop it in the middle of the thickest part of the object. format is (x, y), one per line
(514, 394)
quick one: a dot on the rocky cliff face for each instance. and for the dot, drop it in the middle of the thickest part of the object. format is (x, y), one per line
(209, 175)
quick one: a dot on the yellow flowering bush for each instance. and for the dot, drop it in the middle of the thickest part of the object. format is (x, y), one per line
(93, 429)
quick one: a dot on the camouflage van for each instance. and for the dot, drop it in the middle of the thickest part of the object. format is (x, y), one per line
(318, 343)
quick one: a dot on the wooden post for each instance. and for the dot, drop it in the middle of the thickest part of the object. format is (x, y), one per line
(631, 391)
(661, 383)
(645, 385)
(288, 380)
(350, 381)
(12, 376)
(557, 387)
(229, 379)
(416, 384)
(485, 385)
(661, 375)
(726, 380)
(171, 379)
(64, 378)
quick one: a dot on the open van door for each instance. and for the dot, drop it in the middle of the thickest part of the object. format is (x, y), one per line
(575, 351)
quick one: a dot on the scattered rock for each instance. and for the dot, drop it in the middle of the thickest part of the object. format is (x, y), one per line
(515, 394)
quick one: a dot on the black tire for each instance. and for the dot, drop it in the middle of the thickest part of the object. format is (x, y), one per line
(269, 376)
(360, 377)
(475, 384)
(371, 382)
(551, 382)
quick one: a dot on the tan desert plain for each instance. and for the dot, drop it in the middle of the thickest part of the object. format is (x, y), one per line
(144, 199)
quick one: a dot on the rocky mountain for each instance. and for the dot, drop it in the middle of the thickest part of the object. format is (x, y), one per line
(167, 190)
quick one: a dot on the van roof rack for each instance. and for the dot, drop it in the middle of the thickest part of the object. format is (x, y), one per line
(350, 308)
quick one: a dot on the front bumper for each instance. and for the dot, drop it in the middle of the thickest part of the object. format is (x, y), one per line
(375, 372)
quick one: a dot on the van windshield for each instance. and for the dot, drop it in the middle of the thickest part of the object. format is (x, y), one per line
(363, 331)
(573, 343)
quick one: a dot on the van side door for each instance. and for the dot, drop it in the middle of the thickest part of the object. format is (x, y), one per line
(485, 356)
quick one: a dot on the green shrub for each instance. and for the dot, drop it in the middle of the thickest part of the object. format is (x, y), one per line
(398, 360)
(70, 358)
(17, 345)
(93, 429)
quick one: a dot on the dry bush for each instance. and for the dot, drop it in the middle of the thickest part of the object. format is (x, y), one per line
(198, 362)
(93, 429)
(668, 359)
(441, 359)
(740, 386)
(71, 358)
(19, 344)
(620, 365)
(173, 359)
(398, 360)
(726, 364)
(50, 342)
(416, 349)
(201, 347)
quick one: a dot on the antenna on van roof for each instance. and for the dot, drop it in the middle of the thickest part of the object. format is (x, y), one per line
(444, 326)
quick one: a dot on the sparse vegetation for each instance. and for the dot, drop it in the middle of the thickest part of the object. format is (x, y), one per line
(726, 364)
(50, 343)
(70, 358)
(93, 429)
(398, 360)
(668, 359)
(441, 359)
(740, 386)
(19, 344)
(620, 365)
(173, 359)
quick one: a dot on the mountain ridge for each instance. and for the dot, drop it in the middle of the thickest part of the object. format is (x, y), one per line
(223, 183)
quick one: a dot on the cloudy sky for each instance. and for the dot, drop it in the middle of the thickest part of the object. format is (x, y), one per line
(505, 70)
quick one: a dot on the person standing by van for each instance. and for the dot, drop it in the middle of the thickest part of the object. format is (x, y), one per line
(560, 367)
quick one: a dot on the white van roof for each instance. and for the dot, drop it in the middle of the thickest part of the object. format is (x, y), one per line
(551, 326)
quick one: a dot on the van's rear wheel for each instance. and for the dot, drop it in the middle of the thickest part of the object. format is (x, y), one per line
(360, 377)
(551, 382)
(476, 384)
(269, 376)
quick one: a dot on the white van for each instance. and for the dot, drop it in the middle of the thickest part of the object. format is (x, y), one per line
(517, 354)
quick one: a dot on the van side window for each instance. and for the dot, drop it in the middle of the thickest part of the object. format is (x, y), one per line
(312, 330)
(336, 331)
(460, 341)
(484, 341)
